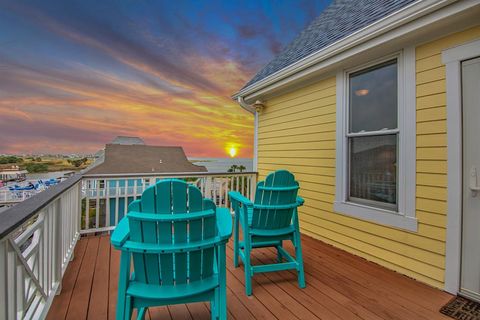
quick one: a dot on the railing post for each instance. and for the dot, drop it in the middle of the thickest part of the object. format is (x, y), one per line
(87, 204)
(11, 282)
(97, 203)
(57, 249)
(107, 203)
(78, 223)
(3, 278)
(253, 186)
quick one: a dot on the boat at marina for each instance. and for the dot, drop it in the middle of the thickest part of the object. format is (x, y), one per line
(13, 174)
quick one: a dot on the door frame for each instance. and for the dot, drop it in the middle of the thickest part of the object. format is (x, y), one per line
(453, 58)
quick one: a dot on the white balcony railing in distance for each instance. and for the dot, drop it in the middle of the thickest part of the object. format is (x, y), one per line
(8, 197)
(106, 197)
(38, 236)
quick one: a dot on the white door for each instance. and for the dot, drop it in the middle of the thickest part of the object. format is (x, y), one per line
(470, 272)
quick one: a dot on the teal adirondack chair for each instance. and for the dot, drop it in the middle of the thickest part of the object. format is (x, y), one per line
(267, 222)
(177, 242)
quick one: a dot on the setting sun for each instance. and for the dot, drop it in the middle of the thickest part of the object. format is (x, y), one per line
(232, 152)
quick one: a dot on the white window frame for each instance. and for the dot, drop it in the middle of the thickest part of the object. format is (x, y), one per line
(405, 217)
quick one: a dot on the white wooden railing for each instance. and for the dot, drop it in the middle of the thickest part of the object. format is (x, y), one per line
(106, 197)
(11, 197)
(37, 239)
(38, 235)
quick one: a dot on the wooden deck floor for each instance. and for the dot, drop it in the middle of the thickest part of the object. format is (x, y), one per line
(339, 286)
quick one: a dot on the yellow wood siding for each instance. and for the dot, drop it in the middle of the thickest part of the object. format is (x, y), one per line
(297, 132)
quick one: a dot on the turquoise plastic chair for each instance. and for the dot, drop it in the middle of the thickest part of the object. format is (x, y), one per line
(266, 222)
(177, 242)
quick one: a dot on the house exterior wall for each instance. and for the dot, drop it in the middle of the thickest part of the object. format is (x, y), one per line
(296, 131)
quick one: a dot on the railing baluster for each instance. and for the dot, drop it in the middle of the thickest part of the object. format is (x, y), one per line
(117, 200)
(135, 189)
(107, 203)
(87, 205)
(11, 283)
(125, 198)
(57, 243)
(97, 204)
(221, 190)
(3, 278)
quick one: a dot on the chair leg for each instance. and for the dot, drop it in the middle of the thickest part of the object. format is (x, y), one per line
(222, 289)
(222, 307)
(279, 255)
(141, 313)
(214, 306)
(299, 258)
(235, 241)
(123, 278)
(128, 308)
(248, 267)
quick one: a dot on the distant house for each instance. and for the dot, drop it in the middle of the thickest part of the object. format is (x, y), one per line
(138, 158)
(124, 157)
(130, 155)
(375, 108)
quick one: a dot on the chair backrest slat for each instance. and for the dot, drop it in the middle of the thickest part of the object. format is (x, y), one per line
(279, 193)
(172, 197)
(195, 229)
(179, 205)
(163, 202)
(208, 232)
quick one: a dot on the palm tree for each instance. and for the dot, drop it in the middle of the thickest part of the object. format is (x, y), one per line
(241, 168)
(233, 168)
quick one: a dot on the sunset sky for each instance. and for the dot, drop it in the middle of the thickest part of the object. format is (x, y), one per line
(75, 74)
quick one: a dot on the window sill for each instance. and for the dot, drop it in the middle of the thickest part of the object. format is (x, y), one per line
(375, 215)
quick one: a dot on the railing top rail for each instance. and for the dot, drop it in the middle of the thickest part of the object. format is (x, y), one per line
(15, 216)
(171, 174)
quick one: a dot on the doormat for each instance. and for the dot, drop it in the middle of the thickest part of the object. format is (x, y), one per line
(462, 309)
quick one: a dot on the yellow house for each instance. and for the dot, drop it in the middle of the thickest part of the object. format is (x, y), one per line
(376, 110)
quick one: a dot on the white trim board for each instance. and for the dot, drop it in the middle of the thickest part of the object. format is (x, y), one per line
(255, 142)
(453, 58)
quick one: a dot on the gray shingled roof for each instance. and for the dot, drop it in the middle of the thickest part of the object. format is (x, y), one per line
(338, 20)
(137, 158)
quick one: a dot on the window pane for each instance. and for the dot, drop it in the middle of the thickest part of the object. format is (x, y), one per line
(373, 98)
(373, 174)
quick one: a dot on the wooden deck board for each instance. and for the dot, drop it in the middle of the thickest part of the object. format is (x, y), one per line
(339, 286)
(59, 307)
(79, 302)
(113, 283)
(98, 306)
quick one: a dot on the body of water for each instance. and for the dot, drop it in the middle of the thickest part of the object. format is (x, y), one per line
(223, 164)
(47, 175)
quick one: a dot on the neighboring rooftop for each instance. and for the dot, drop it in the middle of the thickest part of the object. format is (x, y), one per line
(337, 21)
(138, 158)
(127, 140)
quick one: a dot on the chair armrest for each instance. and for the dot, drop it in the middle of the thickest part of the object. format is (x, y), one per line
(237, 196)
(224, 223)
(208, 204)
(121, 233)
(300, 201)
